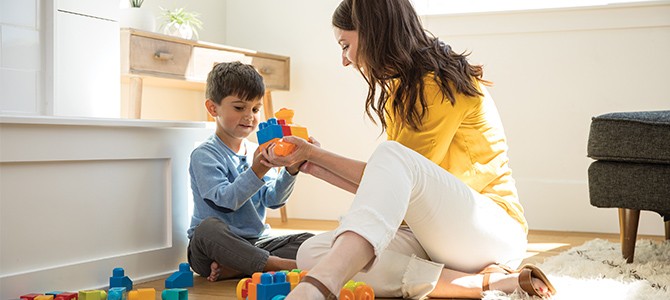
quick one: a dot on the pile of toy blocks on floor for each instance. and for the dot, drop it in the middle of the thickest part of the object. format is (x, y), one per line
(121, 288)
(276, 285)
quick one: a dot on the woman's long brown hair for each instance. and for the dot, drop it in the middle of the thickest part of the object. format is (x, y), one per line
(392, 44)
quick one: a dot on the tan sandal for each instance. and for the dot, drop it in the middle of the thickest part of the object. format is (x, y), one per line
(526, 274)
(319, 286)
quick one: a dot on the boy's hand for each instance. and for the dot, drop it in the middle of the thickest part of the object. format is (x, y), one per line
(260, 166)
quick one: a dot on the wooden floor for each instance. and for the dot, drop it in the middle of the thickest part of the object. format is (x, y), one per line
(542, 245)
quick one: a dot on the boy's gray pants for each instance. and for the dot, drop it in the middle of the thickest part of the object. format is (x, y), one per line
(213, 241)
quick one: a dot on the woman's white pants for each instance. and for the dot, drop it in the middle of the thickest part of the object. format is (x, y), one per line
(450, 225)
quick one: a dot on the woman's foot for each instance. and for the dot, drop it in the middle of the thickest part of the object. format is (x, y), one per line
(305, 291)
(508, 283)
(528, 278)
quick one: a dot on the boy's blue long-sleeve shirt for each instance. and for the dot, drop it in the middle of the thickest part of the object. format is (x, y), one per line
(225, 187)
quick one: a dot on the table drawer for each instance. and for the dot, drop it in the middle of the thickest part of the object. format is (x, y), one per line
(275, 72)
(159, 56)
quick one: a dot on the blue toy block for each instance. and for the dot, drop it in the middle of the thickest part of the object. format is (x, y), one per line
(272, 285)
(268, 131)
(174, 294)
(118, 279)
(117, 293)
(53, 293)
(180, 279)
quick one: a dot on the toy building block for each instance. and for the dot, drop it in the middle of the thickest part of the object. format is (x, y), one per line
(272, 285)
(180, 279)
(119, 279)
(117, 293)
(174, 294)
(275, 129)
(92, 295)
(66, 296)
(356, 291)
(242, 290)
(29, 296)
(54, 293)
(45, 297)
(269, 132)
(287, 115)
(252, 290)
(142, 294)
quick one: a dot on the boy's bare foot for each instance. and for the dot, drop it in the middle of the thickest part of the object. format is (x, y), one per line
(276, 263)
(215, 272)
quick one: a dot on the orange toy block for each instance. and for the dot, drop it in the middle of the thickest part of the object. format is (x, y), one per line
(285, 118)
(142, 294)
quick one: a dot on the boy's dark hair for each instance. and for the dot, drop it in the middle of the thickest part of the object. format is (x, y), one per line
(236, 79)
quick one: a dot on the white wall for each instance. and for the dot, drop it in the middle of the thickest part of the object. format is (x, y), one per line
(80, 197)
(553, 70)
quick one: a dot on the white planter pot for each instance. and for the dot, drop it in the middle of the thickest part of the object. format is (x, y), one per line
(138, 18)
(178, 30)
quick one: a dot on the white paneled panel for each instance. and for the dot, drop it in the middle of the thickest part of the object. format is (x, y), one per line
(82, 211)
(79, 197)
(19, 12)
(107, 9)
(20, 48)
(18, 91)
(86, 67)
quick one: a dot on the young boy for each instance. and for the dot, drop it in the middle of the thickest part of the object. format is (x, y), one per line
(232, 188)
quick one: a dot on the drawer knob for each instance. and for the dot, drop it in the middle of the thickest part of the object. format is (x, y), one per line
(163, 56)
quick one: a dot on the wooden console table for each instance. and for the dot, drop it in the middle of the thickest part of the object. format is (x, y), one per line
(157, 59)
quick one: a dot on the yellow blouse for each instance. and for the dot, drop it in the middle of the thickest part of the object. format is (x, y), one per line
(467, 140)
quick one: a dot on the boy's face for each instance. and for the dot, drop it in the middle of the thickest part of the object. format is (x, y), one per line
(235, 118)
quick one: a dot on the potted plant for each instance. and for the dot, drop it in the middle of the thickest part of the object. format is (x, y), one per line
(181, 23)
(136, 3)
(134, 16)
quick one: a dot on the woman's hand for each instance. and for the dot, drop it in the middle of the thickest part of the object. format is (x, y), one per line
(300, 154)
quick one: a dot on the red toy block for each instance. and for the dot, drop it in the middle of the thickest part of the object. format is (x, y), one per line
(29, 296)
(67, 296)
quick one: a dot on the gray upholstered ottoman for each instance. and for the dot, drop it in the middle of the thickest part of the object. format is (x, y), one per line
(632, 168)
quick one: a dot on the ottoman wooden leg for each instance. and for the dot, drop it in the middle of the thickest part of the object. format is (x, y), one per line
(667, 230)
(628, 221)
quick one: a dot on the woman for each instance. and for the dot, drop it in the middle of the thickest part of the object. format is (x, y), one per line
(436, 211)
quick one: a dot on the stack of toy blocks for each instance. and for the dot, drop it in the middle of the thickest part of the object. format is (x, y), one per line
(120, 288)
(269, 286)
(119, 279)
(275, 129)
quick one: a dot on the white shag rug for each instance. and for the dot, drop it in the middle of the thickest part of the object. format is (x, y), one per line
(596, 270)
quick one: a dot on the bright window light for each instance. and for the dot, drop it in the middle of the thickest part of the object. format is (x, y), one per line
(440, 7)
